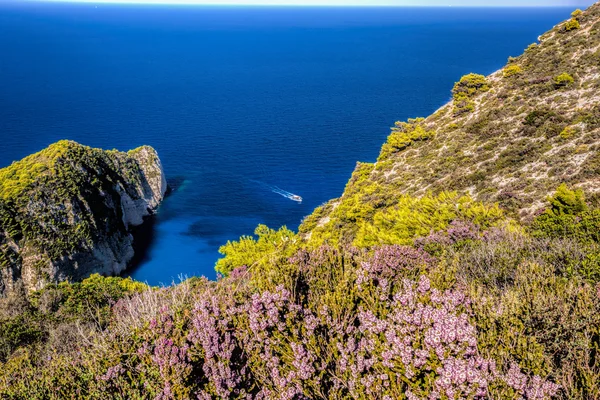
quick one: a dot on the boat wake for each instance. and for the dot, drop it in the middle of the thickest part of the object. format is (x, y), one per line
(286, 194)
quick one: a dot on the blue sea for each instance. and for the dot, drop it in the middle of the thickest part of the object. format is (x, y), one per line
(238, 100)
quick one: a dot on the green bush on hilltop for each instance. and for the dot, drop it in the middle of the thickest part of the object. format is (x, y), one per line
(471, 85)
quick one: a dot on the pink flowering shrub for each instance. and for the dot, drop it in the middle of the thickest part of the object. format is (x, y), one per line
(457, 233)
(403, 338)
(160, 360)
(349, 325)
(215, 348)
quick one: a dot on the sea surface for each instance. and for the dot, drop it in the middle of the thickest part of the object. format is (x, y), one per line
(237, 100)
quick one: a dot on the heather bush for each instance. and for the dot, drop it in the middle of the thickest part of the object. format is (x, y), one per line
(530, 297)
(351, 324)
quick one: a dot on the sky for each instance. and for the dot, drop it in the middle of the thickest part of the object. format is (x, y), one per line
(455, 3)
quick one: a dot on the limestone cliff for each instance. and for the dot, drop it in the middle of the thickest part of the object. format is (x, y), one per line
(67, 212)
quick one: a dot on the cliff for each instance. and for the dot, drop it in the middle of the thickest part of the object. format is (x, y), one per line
(66, 212)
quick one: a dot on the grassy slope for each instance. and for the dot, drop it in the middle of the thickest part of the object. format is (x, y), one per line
(524, 136)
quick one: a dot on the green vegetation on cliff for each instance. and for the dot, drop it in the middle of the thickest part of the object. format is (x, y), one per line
(60, 202)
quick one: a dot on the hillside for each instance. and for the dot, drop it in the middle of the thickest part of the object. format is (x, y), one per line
(512, 137)
(66, 212)
(463, 264)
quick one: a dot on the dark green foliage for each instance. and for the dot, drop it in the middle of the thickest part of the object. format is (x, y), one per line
(17, 332)
(566, 201)
(537, 118)
(584, 226)
(568, 216)
(518, 153)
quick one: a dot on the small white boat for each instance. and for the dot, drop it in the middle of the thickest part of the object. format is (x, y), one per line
(286, 194)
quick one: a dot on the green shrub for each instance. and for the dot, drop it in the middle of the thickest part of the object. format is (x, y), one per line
(464, 90)
(512, 70)
(413, 217)
(567, 201)
(537, 118)
(563, 80)
(568, 216)
(471, 85)
(577, 14)
(271, 245)
(403, 135)
(572, 25)
(531, 47)
(16, 332)
(567, 133)
(463, 105)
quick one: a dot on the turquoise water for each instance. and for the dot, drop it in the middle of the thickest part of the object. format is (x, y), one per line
(238, 100)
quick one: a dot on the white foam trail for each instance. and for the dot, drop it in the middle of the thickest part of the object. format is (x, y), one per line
(286, 194)
(279, 191)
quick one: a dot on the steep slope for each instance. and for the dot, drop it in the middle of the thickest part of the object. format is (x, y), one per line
(512, 137)
(66, 212)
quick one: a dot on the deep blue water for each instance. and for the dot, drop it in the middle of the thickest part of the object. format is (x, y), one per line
(235, 99)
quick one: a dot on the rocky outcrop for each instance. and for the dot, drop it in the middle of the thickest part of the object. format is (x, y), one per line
(67, 212)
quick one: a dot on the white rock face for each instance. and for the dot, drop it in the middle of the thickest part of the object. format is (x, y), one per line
(155, 183)
(150, 192)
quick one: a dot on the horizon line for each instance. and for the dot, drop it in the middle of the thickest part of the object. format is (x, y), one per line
(237, 3)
